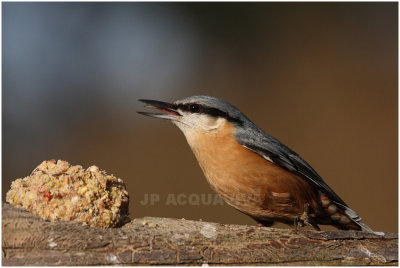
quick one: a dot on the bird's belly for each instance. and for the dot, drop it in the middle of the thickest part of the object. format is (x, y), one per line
(250, 183)
(268, 193)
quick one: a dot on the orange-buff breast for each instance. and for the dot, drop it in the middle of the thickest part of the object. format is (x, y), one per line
(247, 181)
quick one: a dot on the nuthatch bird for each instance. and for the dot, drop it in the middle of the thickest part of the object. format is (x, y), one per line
(251, 170)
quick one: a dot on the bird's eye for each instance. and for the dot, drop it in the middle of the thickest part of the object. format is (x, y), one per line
(194, 108)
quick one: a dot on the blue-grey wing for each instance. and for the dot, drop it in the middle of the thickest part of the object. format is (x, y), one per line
(268, 147)
(295, 164)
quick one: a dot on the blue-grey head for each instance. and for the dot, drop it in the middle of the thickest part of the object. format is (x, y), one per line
(197, 113)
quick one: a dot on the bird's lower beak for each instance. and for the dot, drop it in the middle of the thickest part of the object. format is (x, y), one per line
(169, 109)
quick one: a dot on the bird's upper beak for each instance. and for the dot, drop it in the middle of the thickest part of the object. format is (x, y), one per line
(169, 111)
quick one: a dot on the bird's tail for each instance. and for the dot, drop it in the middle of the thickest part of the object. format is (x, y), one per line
(355, 218)
(365, 227)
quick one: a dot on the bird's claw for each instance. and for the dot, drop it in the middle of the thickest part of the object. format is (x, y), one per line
(305, 219)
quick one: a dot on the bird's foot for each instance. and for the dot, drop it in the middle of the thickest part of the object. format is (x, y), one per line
(306, 219)
(264, 223)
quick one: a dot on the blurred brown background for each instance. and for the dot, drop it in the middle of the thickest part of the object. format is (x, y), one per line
(321, 77)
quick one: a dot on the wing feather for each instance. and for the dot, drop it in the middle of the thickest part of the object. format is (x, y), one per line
(268, 147)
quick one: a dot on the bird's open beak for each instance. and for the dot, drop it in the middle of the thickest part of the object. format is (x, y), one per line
(169, 111)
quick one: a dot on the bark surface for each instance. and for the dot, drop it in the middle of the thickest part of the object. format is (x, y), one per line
(29, 240)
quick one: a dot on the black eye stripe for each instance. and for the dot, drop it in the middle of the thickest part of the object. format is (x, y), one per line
(197, 108)
(194, 108)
